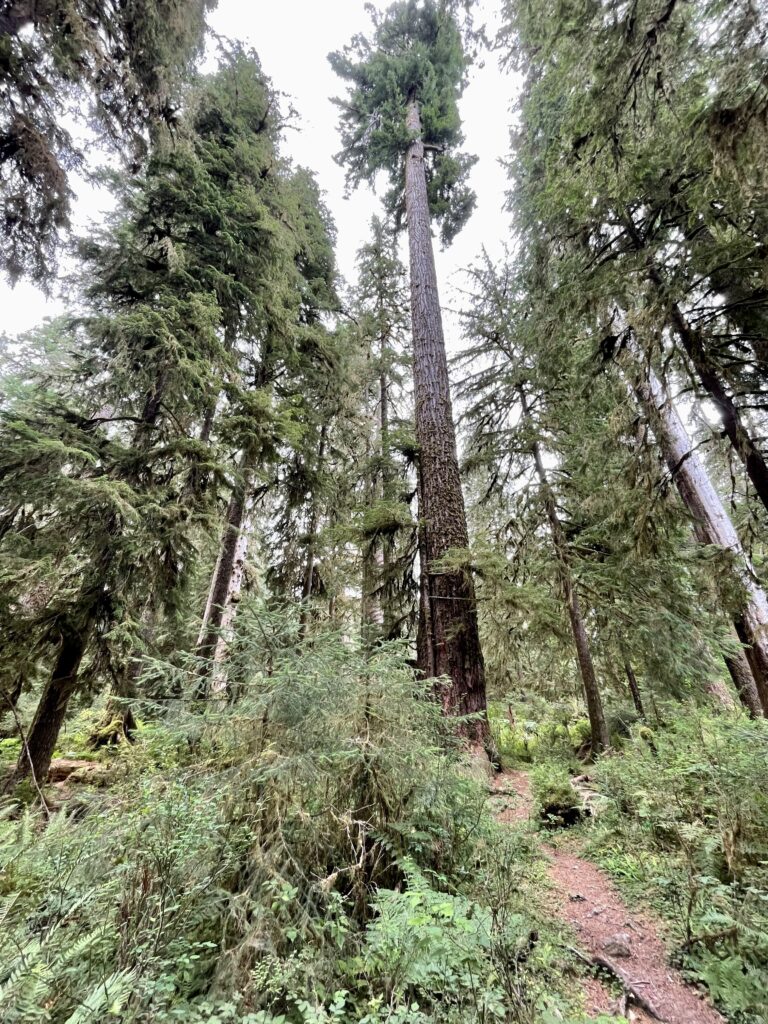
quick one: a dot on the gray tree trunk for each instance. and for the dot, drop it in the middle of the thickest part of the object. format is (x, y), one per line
(712, 525)
(710, 377)
(213, 617)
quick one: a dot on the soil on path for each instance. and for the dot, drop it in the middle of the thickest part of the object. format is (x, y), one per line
(608, 930)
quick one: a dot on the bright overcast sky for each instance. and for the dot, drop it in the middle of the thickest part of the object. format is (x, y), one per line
(293, 39)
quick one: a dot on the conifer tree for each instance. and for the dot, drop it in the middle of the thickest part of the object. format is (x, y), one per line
(380, 307)
(682, 237)
(286, 353)
(642, 599)
(122, 63)
(98, 459)
(712, 526)
(401, 116)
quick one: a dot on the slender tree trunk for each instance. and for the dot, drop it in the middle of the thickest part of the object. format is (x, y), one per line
(449, 643)
(370, 611)
(307, 587)
(62, 683)
(425, 647)
(711, 522)
(387, 590)
(370, 605)
(709, 375)
(220, 582)
(232, 601)
(40, 740)
(600, 737)
(9, 699)
(634, 689)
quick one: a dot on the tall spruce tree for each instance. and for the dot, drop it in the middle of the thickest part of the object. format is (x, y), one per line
(122, 64)
(401, 116)
(99, 459)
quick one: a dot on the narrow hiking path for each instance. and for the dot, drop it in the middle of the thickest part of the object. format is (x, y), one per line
(625, 943)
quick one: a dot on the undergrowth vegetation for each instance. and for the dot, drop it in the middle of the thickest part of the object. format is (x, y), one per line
(681, 821)
(687, 822)
(289, 857)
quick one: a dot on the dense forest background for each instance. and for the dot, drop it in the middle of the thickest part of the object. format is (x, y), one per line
(291, 590)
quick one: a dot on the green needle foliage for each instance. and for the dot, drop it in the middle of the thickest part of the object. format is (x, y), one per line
(122, 64)
(415, 53)
(103, 488)
(228, 795)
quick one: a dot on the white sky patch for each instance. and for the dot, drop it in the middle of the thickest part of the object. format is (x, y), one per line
(293, 39)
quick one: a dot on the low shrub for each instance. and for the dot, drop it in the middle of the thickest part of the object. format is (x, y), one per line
(312, 851)
(687, 822)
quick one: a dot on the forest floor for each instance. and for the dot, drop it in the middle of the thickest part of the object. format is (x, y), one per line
(623, 943)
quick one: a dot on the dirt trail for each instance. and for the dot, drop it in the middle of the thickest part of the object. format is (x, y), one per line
(610, 932)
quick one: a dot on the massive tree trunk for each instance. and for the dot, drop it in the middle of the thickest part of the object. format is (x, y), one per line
(40, 740)
(710, 378)
(449, 640)
(712, 525)
(599, 730)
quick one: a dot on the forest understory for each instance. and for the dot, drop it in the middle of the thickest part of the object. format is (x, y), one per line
(376, 653)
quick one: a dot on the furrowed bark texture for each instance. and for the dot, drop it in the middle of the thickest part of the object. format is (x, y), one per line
(449, 641)
(712, 525)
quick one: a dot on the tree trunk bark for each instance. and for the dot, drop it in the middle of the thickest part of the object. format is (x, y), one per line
(222, 575)
(449, 640)
(634, 689)
(40, 740)
(601, 739)
(743, 678)
(307, 587)
(711, 522)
